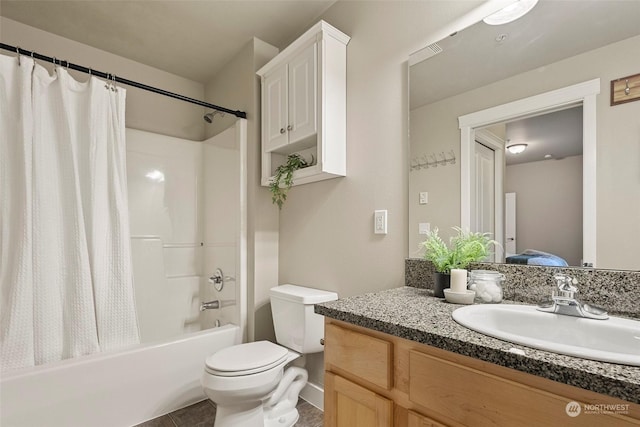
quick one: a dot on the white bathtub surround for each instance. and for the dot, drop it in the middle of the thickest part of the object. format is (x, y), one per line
(66, 266)
(165, 189)
(187, 219)
(113, 389)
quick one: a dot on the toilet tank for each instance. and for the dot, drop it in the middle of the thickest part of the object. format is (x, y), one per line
(297, 326)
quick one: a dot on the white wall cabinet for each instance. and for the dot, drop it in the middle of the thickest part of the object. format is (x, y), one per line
(304, 105)
(291, 99)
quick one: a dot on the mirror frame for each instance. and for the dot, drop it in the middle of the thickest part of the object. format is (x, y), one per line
(579, 94)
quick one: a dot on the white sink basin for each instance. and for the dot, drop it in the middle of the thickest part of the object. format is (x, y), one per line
(613, 340)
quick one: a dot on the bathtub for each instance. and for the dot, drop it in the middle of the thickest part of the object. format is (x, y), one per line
(116, 389)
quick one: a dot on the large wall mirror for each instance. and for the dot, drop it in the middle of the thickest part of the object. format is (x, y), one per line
(541, 82)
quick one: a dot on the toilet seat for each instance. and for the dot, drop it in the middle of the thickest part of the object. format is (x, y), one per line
(246, 359)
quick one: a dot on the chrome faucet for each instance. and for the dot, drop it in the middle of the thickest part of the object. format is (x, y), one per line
(210, 305)
(563, 301)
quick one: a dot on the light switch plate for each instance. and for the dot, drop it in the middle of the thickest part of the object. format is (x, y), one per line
(424, 197)
(424, 228)
(380, 222)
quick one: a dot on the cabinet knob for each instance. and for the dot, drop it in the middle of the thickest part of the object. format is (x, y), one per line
(289, 127)
(281, 130)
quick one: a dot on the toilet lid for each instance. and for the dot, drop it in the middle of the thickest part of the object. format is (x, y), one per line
(245, 359)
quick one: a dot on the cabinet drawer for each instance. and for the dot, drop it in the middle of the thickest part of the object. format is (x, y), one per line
(364, 356)
(476, 398)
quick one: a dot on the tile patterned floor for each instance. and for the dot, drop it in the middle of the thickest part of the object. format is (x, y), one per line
(203, 414)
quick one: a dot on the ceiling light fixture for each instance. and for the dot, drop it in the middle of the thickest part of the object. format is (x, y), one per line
(510, 13)
(516, 148)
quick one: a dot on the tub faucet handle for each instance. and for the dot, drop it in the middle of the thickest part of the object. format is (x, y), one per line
(218, 279)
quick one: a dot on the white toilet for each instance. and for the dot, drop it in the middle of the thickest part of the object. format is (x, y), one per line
(249, 383)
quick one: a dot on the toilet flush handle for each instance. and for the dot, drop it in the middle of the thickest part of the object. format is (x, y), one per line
(321, 341)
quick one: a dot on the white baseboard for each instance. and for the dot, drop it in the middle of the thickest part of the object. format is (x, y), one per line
(314, 394)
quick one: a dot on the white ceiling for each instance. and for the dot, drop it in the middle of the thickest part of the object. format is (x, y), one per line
(192, 39)
(553, 30)
(558, 134)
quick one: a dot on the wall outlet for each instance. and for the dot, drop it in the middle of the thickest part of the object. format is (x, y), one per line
(424, 228)
(424, 197)
(380, 222)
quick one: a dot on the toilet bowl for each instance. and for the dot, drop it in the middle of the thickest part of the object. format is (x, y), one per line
(252, 384)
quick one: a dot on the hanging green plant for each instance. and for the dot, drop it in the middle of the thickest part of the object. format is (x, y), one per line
(283, 178)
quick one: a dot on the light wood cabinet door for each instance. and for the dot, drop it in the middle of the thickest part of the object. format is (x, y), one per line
(418, 420)
(350, 405)
(475, 398)
(275, 109)
(303, 83)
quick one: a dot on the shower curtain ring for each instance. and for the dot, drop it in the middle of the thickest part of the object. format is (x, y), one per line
(18, 52)
(106, 85)
(113, 86)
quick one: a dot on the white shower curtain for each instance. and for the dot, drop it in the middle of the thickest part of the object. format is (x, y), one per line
(65, 268)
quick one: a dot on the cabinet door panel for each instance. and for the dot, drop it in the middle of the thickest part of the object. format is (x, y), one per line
(303, 83)
(350, 405)
(478, 399)
(367, 357)
(274, 110)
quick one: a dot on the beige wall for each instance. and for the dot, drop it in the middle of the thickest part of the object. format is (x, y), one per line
(618, 150)
(434, 130)
(145, 110)
(548, 206)
(326, 228)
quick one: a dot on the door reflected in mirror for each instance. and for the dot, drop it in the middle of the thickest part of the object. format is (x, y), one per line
(535, 214)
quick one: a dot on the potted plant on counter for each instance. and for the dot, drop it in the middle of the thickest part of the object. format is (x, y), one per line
(465, 248)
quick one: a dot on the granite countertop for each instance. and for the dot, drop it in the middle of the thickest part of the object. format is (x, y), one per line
(416, 315)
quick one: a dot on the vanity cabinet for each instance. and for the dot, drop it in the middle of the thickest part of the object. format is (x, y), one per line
(304, 105)
(375, 379)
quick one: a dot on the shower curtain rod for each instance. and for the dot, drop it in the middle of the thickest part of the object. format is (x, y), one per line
(114, 78)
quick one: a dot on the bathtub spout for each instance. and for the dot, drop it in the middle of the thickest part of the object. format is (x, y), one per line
(215, 304)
